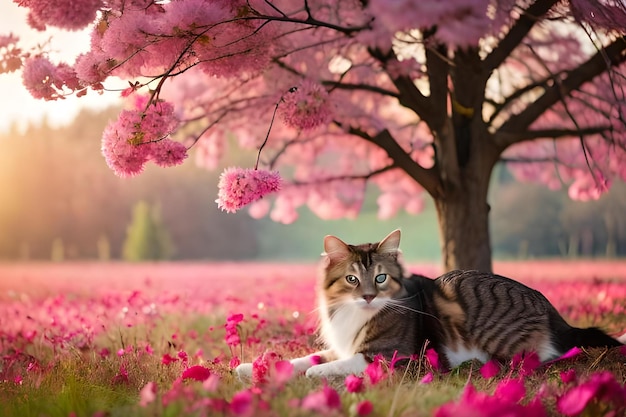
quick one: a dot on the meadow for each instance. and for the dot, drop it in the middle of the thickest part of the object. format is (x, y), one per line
(90, 339)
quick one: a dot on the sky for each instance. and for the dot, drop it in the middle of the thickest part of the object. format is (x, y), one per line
(16, 104)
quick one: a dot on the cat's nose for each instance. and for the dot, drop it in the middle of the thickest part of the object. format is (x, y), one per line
(368, 298)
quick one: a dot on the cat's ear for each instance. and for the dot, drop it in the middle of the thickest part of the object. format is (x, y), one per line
(335, 249)
(390, 244)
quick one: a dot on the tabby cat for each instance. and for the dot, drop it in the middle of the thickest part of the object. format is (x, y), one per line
(369, 306)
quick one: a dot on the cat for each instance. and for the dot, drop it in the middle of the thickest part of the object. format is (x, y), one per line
(369, 306)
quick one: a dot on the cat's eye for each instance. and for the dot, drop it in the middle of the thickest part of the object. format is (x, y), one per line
(380, 278)
(352, 279)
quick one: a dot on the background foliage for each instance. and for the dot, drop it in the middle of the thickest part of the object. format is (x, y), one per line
(88, 210)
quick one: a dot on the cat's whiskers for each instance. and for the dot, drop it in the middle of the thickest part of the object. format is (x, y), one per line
(397, 306)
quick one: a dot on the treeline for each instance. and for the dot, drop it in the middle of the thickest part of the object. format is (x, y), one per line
(532, 221)
(59, 200)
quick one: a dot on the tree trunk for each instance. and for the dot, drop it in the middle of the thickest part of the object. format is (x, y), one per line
(464, 227)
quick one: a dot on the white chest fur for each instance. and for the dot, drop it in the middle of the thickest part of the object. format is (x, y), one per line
(342, 332)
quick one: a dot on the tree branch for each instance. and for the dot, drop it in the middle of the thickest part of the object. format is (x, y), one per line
(408, 94)
(517, 33)
(427, 178)
(363, 177)
(360, 87)
(550, 133)
(615, 53)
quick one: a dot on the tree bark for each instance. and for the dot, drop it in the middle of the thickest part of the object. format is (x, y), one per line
(462, 207)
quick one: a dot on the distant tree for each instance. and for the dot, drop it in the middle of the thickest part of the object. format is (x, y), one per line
(409, 95)
(146, 237)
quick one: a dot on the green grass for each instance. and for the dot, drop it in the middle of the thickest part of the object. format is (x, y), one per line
(82, 383)
(297, 241)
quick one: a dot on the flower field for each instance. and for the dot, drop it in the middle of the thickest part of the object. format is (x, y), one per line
(161, 340)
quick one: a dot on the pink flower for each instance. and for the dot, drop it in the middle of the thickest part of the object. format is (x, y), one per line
(490, 369)
(167, 153)
(284, 372)
(167, 359)
(375, 370)
(238, 187)
(140, 135)
(197, 372)
(512, 390)
(241, 404)
(232, 330)
(147, 394)
(323, 401)
(354, 384)
(568, 376)
(262, 367)
(306, 106)
(601, 386)
(433, 358)
(40, 78)
(364, 408)
(427, 379)
(527, 362)
(65, 14)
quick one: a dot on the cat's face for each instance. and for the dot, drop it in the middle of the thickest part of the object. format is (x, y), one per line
(366, 276)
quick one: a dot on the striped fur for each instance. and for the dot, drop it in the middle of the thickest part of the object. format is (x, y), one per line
(368, 306)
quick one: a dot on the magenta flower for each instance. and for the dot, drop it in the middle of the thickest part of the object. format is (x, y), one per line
(167, 359)
(364, 408)
(601, 386)
(427, 379)
(527, 362)
(512, 390)
(238, 187)
(322, 401)
(490, 369)
(241, 404)
(354, 384)
(375, 370)
(433, 358)
(568, 376)
(197, 372)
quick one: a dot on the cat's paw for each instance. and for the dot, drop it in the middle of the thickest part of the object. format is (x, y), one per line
(315, 372)
(244, 372)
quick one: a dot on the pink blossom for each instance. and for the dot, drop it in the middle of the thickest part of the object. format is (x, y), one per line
(512, 390)
(601, 386)
(364, 408)
(375, 370)
(41, 79)
(241, 404)
(427, 379)
(354, 384)
(568, 376)
(65, 14)
(167, 153)
(322, 401)
(490, 369)
(197, 372)
(147, 394)
(211, 383)
(167, 359)
(307, 107)
(238, 187)
(527, 362)
(433, 358)
(284, 371)
(263, 366)
(139, 135)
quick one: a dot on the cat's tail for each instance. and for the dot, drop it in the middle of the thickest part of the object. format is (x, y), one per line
(590, 337)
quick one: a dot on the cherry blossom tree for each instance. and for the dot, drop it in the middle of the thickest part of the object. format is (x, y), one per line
(409, 97)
